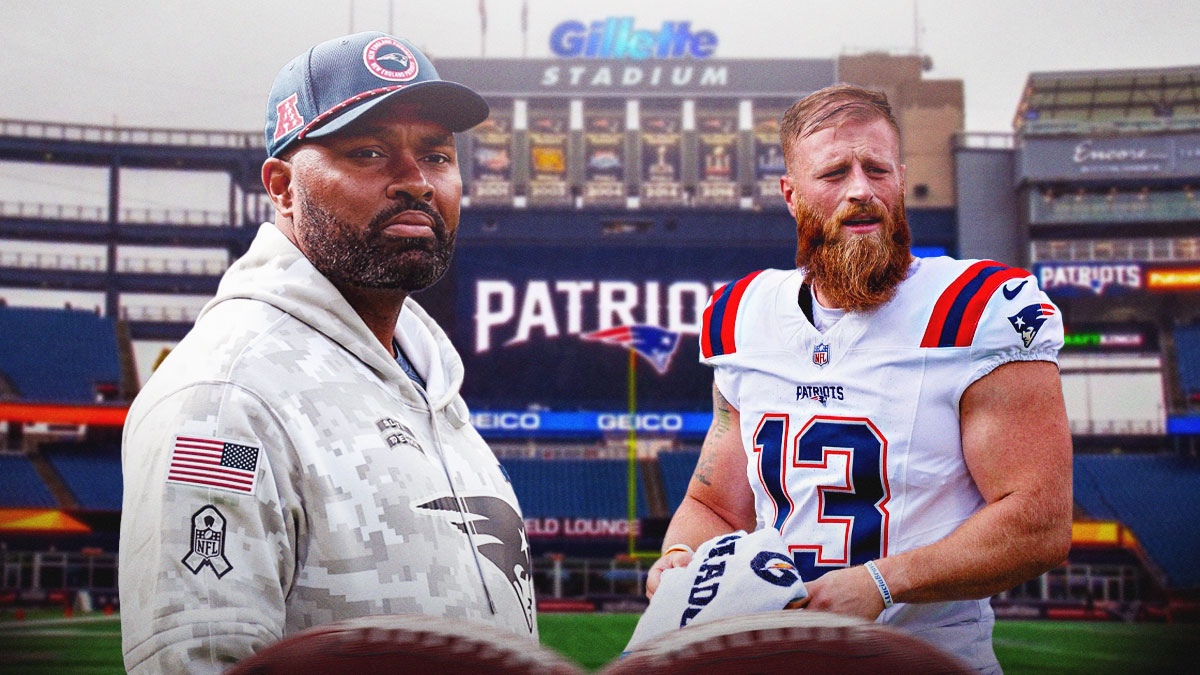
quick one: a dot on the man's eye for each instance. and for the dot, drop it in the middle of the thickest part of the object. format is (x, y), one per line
(367, 153)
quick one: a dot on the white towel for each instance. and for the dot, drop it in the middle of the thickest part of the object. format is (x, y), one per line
(729, 575)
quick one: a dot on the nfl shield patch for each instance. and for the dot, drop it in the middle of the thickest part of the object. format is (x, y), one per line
(820, 355)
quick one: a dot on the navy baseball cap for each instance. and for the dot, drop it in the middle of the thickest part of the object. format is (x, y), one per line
(334, 83)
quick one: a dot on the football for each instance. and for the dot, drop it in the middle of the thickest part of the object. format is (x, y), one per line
(787, 641)
(404, 644)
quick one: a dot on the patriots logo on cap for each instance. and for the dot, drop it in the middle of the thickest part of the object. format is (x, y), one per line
(1029, 320)
(388, 59)
(656, 345)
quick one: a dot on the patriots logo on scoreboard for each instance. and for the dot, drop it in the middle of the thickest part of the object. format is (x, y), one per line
(820, 355)
(656, 345)
(1029, 320)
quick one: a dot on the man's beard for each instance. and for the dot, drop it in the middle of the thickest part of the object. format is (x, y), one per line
(853, 272)
(365, 257)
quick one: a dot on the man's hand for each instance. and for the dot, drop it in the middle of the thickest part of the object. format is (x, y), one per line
(676, 558)
(849, 591)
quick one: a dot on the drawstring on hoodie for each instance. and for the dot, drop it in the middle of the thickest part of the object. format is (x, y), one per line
(468, 523)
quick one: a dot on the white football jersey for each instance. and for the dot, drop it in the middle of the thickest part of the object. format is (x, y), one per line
(852, 435)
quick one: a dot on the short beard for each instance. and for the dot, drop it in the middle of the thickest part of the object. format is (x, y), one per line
(362, 256)
(854, 272)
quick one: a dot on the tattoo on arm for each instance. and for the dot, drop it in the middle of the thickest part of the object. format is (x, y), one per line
(721, 426)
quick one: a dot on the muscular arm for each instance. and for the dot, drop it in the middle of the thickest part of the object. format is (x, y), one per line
(718, 498)
(1017, 446)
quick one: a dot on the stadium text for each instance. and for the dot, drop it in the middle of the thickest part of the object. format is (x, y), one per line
(616, 38)
(570, 307)
(1095, 278)
(506, 420)
(635, 76)
(1087, 152)
(643, 422)
(547, 528)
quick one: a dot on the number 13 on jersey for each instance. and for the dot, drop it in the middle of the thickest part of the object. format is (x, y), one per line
(828, 484)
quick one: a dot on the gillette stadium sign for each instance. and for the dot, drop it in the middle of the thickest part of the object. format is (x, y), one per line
(620, 38)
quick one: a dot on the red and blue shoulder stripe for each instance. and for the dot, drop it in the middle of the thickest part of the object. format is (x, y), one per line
(716, 335)
(957, 312)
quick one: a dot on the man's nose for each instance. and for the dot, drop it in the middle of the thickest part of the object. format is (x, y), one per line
(409, 179)
(858, 186)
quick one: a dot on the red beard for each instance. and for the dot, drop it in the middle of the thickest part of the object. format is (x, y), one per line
(854, 272)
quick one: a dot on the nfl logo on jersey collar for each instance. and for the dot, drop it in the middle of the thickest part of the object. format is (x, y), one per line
(820, 355)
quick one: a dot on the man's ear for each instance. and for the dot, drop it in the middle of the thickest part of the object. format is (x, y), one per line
(788, 191)
(277, 179)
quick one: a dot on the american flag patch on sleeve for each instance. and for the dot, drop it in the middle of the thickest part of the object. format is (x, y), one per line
(214, 463)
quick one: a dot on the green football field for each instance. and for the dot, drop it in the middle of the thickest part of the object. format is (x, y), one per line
(45, 644)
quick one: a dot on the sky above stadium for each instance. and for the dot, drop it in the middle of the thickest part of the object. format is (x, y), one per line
(209, 65)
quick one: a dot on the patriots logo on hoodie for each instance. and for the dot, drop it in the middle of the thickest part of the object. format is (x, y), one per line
(498, 532)
(1029, 320)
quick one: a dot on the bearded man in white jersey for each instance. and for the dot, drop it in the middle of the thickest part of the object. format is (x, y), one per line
(900, 421)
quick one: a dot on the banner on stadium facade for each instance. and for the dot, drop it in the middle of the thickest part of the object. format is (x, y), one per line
(768, 155)
(548, 132)
(791, 79)
(1173, 278)
(1110, 157)
(717, 156)
(492, 160)
(1088, 278)
(1109, 278)
(661, 138)
(604, 156)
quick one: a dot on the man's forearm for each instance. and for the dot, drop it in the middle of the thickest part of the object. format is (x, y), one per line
(996, 549)
(695, 523)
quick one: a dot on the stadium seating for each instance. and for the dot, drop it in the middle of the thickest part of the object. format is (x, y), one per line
(1155, 496)
(573, 488)
(58, 355)
(20, 484)
(677, 468)
(92, 473)
(1187, 347)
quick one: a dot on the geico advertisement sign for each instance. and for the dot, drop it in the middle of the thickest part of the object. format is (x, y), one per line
(575, 422)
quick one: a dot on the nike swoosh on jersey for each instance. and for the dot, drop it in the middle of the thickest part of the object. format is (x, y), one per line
(1010, 294)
